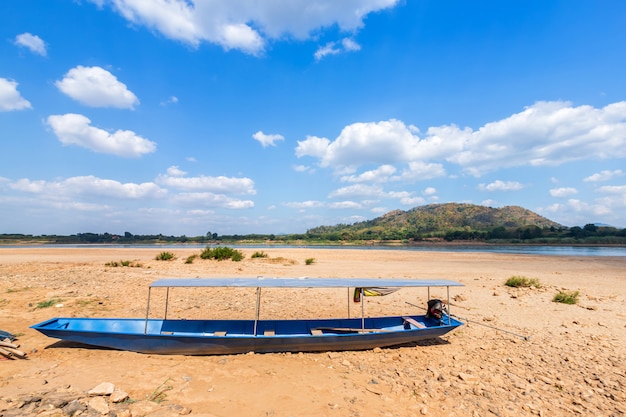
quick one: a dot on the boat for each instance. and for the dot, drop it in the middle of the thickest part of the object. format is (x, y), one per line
(233, 336)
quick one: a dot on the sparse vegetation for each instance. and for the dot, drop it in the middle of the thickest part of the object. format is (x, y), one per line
(222, 252)
(521, 281)
(191, 258)
(116, 264)
(10, 290)
(46, 304)
(566, 297)
(259, 254)
(309, 261)
(165, 256)
(159, 394)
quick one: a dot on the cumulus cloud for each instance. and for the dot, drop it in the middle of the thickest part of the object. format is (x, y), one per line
(207, 199)
(90, 186)
(33, 42)
(218, 185)
(246, 25)
(10, 98)
(301, 205)
(96, 87)
(335, 48)
(170, 100)
(499, 185)
(76, 129)
(312, 146)
(546, 133)
(614, 189)
(358, 191)
(605, 175)
(267, 140)
(380, 174)
(563, 192)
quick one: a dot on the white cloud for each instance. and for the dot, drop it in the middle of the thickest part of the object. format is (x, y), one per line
(335, 48)
(605, 175)
(384, 142)
(303, 168)
(499, 185)
(429, 191)
(305, 204)
(218, 185)
(174, 171)
(613, 189)
(96, 87)
(546, 133)
(208, 199)
(76, 129)
(10, 98)
(246, 25)
(563, 192)
(312, 146)
(380, 174)
(90, 186)
(349, 205)
(170, 100)
(358, 190)
(418, 170)
(267, 140)
(33, 42)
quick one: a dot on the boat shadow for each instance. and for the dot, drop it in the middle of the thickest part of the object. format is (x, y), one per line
(63, 344)
(435, 341)
(66, 344)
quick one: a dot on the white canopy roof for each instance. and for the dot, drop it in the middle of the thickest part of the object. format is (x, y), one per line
(303, 282)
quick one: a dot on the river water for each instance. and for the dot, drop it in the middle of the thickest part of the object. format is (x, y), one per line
(512, 249)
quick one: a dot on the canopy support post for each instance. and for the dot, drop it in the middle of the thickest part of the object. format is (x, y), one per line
(167, 301)
(448, 290)
(348, 302)
(362, 309)
(258, 308)
(145, 329)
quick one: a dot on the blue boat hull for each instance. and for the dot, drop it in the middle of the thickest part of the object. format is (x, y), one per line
(217, 337)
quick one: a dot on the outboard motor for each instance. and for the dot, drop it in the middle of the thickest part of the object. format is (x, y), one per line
(435, 309)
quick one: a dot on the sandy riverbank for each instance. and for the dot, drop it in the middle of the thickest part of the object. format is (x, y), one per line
(572, 363)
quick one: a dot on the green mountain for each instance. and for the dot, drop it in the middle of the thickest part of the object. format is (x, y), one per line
(440, 219)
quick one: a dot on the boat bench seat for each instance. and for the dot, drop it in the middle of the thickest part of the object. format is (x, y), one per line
(414, 322)
(316, 332)
(219, 333)
(269, 333)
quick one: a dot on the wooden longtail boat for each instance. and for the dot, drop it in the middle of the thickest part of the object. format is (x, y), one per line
(211, 337)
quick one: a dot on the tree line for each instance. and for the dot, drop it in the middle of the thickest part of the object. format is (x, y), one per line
(587, 234)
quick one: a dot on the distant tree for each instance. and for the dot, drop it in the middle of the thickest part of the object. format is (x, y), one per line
(591, 228)
(577, 232)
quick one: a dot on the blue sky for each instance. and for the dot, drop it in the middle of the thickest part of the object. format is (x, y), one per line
(188, 116)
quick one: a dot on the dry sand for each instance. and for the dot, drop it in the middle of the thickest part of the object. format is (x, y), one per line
(573, 362)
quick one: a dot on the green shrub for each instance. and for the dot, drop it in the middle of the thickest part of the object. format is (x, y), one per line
(165, 256)
(518, 281)
(191, 258)
(309, 261)
(259, 254)
(222, 252)
(566, 297)
(116, 264)
(46, 304)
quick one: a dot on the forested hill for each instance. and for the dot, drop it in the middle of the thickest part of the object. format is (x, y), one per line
(439, 219)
